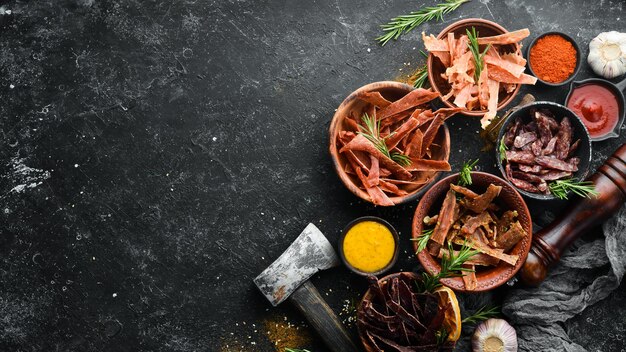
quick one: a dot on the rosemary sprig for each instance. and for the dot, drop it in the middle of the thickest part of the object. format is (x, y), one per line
(502, 148)
(370, 129)
(481, 314)
(474, 48)
(422, 240)
(406, 23)
(442, 336)
(465, 176)
(421, 74)
(581, 188)
(451, 266)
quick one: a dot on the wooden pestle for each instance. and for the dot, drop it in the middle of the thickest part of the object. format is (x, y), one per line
(584, 213)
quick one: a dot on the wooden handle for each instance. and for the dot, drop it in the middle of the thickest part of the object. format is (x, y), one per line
(550, 243)
(309, 301)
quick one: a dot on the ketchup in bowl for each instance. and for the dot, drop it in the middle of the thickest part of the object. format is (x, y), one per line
(597, 107)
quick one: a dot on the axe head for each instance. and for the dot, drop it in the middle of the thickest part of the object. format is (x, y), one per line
(308, 254)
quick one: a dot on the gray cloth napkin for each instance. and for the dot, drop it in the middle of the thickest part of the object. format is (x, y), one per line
(540, 314)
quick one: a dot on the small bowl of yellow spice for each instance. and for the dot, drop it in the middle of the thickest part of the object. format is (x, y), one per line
(369, 246)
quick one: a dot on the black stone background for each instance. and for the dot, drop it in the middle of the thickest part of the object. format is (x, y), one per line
(156, 155)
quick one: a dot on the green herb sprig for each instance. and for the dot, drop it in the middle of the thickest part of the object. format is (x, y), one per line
(451, 266)
(481, 314)
(475, 49)
(421, 74)
(422, 240)
(502, 148)
(370, 129)
(406, 23)
(465, 176)
(442, 336)
(560, 188)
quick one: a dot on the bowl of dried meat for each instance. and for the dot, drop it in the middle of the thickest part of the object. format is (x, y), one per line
(477, 65)
(544, 150)
(398, 314)
(488, 217)
(387, 144)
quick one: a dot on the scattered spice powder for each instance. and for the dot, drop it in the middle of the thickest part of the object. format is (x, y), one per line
(284, 334)
(553, 58)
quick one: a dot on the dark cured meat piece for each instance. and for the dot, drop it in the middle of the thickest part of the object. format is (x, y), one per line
(527, 177)
(481, 203)
(509, 239)
(549, 149)
(535, 169)
(543, 125)
(564, 139)
(556, 164)
(573, 161)
(466, 192)
(573, 148)
(523, 185)
(555, 175)
(524, 138)
(509, 136)
(446, 219)
(522, 157)
(536, 147)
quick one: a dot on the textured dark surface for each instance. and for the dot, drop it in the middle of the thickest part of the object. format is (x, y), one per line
(156, 155)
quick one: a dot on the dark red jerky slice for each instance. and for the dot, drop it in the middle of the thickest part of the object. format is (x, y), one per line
(556, 164)
(524, 138)
(535, 169)
(555, 175)
(509, 136)
(573, 148)
(466, 192)
(564, 139)
(524, 185)
(536, 147)
(543, 126)
(509, 172)
(509, 239)
(522, 157)
(482, 202)
(549, 149)
(527, 177)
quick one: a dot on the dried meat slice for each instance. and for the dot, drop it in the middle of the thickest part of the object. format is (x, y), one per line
(506, 38)
(428, 165)
(415, 98)
(492, 105)
(376, 194)
(374, 98)
(374, 172)
(466, 192)
(501, 75)
(564, 139)
(481, 203)
(414, 147)
(433, 44)
(524, 138)
(522, 157)
(543, 125)
(492, 252)
(512, 68)
(469, 277)
(511, 237)
(556, 164)
(400, 133)
(446, 219)
(360, 143)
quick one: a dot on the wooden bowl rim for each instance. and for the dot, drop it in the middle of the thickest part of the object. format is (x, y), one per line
(429, 63)
(503, 272)
(333, 130)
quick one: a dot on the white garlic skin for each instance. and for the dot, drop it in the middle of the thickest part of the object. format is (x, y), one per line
(498, 329)
(607, 54)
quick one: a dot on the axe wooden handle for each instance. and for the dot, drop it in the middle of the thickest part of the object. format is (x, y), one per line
(309, 301)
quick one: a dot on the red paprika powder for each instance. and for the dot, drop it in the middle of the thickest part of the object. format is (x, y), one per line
(553, 58)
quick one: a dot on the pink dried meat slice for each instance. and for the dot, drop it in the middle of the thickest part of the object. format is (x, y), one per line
(415, 98)
(361, 143)
(506, 38)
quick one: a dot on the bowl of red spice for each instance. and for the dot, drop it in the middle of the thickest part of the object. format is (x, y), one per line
(554, 58)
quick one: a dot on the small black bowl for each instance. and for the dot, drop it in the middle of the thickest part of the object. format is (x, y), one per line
(579, 132)
(396, 239)
(617, 90)
(578, 56)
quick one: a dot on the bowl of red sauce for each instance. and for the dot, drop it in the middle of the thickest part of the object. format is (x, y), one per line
(600, 105)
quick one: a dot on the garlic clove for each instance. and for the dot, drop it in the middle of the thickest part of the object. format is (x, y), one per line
(607, 54)
(494, 335)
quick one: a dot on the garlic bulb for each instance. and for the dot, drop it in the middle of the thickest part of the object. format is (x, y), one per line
(494, 335)
(607, 54)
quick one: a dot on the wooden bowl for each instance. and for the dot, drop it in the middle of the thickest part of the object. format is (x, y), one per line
(579, 131)
(485, 28)
(509, 199)
(392, 91)
(368, 295)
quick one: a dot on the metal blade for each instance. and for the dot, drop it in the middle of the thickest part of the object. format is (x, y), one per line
(308, 254)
